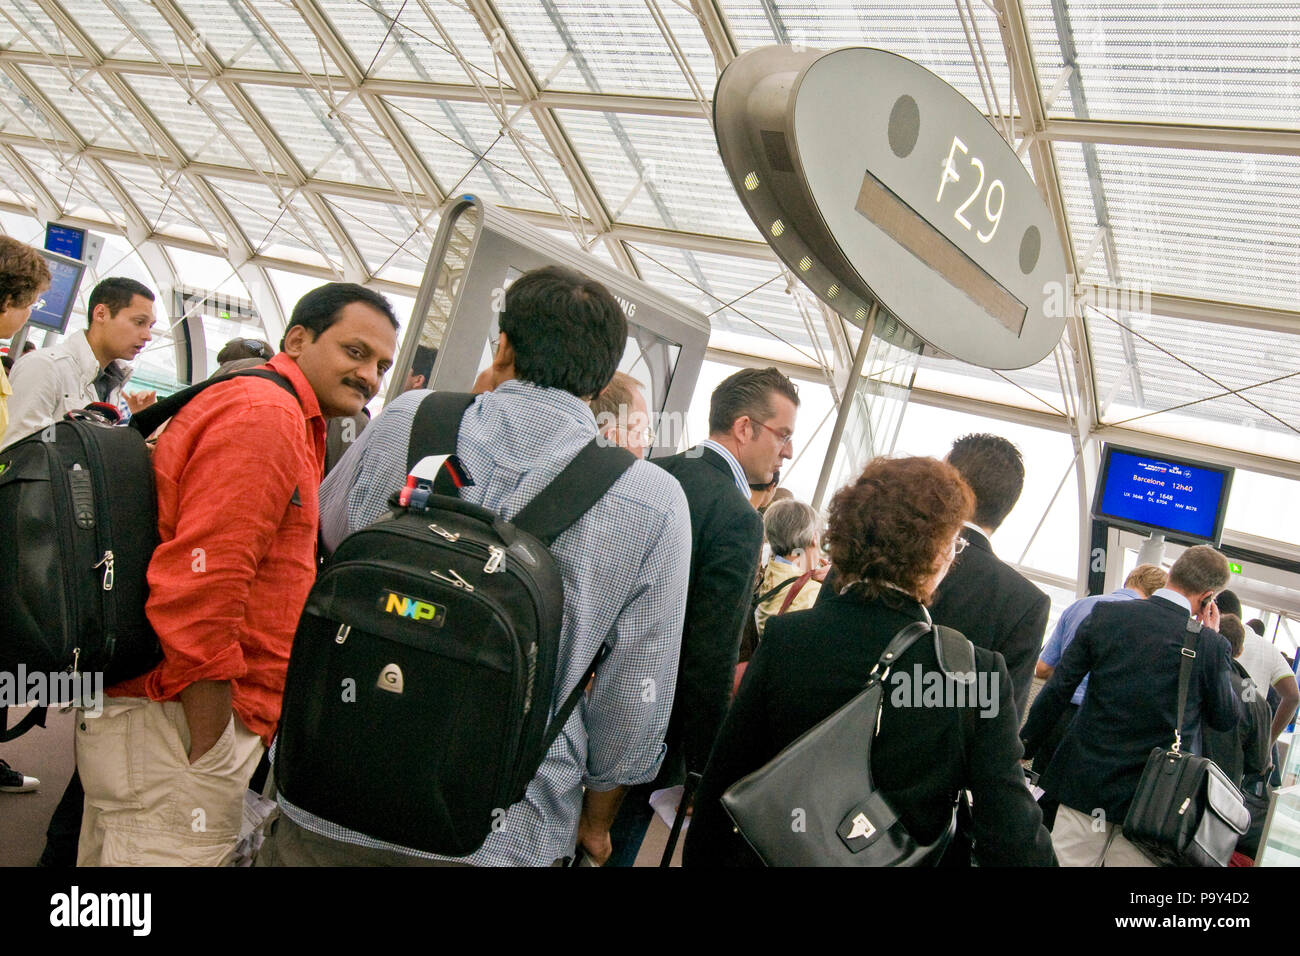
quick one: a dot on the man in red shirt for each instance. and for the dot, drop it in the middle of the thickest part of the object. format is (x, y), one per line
(237, 471)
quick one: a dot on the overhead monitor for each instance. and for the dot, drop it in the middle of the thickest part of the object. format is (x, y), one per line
(1184, 500)
(480, 250)
(67, 241)
(55, 305)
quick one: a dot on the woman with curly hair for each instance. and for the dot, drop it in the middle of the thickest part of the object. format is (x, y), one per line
(891, 535)
(23, 277)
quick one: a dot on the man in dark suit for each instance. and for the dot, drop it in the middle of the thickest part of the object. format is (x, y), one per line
(751, 427)
(1133, 650)
(983, 597)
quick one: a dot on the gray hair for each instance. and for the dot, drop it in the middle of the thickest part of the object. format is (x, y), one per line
(790, 525)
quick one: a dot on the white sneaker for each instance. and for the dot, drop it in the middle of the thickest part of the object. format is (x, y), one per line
(11, 781)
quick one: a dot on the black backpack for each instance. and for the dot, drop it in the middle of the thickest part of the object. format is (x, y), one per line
(424, 668)
(78, 525)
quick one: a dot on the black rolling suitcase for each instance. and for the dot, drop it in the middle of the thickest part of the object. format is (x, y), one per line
(423, 671)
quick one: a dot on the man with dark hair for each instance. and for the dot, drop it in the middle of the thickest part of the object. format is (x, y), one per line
(751, 430)
(421, 368)
(237, 472)
(983, 597)
(561, 338)
(1132, 650)
(88, 366)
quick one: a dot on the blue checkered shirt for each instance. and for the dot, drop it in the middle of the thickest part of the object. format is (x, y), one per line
(625, 568)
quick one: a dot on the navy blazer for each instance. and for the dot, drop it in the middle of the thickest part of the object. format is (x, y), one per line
(726, 540)
(996, 607)
(1133, 650)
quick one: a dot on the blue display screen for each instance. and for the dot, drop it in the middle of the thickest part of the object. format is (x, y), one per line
(1169, 495)
(55, 304)
(66, 240)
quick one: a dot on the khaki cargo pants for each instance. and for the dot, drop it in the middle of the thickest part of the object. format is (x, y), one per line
(146, 805)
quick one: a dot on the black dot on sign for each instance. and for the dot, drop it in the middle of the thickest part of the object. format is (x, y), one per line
(904, 126)
(1031, 244)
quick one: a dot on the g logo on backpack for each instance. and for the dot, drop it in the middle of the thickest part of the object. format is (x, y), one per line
(390, 679)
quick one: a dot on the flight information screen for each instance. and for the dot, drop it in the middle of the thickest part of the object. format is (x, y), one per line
(1163, 494)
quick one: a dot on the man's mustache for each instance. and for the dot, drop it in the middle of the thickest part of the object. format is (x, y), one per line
(360, 386)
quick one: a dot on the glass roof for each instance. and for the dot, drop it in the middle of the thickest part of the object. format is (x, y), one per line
(96, 112)
(1205, 210)
(395, 39)
(613, 47)
(658, 171)
(255, 36)
(926, 31)
(387, 235)
(1214, 225)
(1231, 63)
(274, 227)
(464, 144)
(207, 130)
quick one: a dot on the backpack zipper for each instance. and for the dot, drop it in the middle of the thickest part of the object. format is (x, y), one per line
(103, 538)
(71, 631)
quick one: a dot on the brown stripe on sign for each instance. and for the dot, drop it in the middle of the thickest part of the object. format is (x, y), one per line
(910, 230)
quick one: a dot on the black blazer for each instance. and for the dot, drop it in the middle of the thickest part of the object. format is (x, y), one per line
(726, 539)
(1132, 649)
(811, 663)
(1246, 749)
(995, 607)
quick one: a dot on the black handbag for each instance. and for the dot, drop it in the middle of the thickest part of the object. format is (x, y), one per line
(815, 804)
(1186, 812)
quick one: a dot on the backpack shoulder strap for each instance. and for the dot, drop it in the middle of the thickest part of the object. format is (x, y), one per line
(148, 421)
(436, 427)
(574, 490)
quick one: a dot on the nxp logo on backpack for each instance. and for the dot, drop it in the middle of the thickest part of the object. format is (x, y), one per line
(390, 602)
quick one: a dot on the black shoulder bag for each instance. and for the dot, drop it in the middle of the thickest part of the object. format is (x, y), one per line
(815, 803)
(1186, 812)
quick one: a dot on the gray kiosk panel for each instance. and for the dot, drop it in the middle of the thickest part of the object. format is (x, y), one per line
(480, 250)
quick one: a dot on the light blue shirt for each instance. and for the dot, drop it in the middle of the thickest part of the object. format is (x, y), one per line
(1071, 618)
(737, 472)
(625, 578)
(1175, 597)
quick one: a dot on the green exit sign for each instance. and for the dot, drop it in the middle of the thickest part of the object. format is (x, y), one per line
(1234, 567)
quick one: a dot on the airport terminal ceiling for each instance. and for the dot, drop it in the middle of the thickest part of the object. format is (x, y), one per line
(254, 147)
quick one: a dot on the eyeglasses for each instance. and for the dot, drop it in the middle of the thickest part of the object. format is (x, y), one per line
(787, 438)
(259, 349)
(647, 433)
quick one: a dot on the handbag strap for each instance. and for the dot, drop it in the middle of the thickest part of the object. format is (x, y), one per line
(794, 591)
(896, 647)
(1185, 677)
(761, 598)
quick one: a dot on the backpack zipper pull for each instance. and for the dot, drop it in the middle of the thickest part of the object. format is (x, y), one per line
(444, 532)
(496, 558)
(455, 579)
(342, 635)
(76, 662)
(107, 563)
